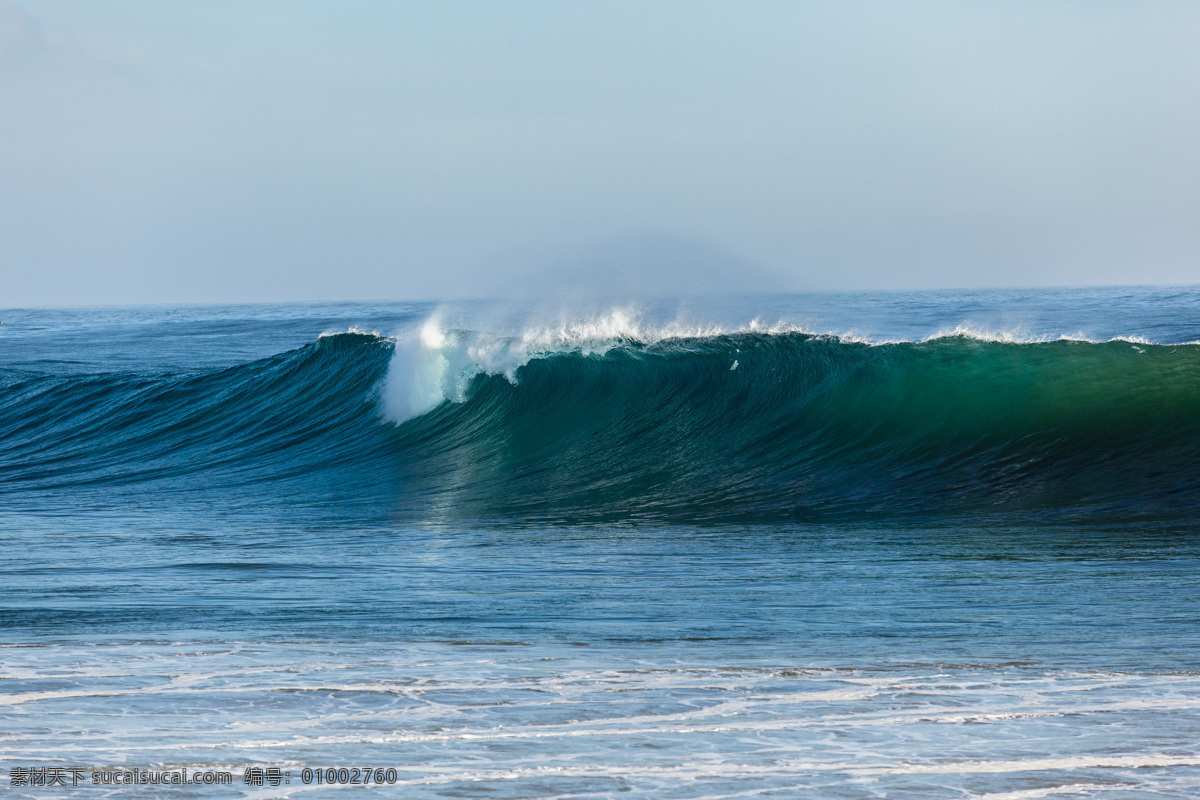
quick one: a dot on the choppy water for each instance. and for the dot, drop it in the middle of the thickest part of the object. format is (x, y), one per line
(923, 545)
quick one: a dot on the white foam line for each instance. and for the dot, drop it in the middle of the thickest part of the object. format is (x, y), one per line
(1042, 764)
(616, 728)
(795, 769)
(1047, 791)
(353, 329)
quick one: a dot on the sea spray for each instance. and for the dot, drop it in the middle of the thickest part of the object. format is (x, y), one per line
(417, 375)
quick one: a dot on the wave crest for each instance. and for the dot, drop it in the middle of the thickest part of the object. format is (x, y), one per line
(625, 421)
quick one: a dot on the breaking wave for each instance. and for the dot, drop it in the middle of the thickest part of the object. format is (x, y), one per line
(613, 421)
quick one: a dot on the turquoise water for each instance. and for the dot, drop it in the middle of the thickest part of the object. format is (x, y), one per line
(926, 545)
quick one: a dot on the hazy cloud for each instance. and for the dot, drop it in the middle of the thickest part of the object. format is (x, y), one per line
(311, 150)
(20, 37)
(620, 269)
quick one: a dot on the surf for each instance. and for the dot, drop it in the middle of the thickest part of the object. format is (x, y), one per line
(618, 421)
(810, 426)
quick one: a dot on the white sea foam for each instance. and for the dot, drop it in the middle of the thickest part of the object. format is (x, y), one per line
(352, 329)
(532, 720)
(1063, 790)
(436, 361)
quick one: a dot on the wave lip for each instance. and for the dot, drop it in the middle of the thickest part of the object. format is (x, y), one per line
(437, 363)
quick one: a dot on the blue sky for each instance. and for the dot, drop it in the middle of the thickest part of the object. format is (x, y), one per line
(262, 151)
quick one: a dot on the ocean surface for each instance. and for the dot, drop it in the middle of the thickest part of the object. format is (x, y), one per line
(873, 545)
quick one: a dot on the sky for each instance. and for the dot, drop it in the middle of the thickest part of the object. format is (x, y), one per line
(267, 150)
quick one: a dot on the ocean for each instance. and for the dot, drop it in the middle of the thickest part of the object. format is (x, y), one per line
(822, 545)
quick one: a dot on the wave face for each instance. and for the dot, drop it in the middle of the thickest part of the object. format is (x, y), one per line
(301, 413)
(726, 427)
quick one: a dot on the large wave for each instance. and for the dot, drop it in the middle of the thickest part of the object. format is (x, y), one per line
(621, 423)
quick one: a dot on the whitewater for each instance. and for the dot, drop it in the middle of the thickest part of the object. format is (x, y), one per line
(866, 545)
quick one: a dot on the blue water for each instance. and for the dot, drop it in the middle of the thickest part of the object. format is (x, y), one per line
(864, 545)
